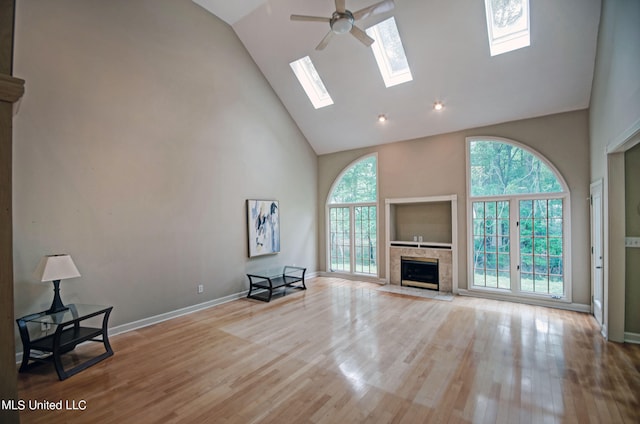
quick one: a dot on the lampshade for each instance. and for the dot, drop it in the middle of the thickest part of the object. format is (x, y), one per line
(56, 267)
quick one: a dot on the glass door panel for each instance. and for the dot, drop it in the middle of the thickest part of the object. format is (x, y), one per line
(491, 245)
(340, 239)
(541, 251)
(365, 239)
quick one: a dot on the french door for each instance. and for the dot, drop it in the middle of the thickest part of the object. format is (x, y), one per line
(353, 239)
(518, 245)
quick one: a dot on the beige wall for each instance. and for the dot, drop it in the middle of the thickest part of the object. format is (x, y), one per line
(144, 129)
(632, 225)
(435, 166)
(614, 119)
(432, 221)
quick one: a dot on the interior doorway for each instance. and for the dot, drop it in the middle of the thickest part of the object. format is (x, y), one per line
(597, 263)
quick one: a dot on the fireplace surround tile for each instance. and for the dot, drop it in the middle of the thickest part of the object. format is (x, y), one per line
(445, 264)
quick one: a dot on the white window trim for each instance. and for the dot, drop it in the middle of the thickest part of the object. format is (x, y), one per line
(378, 48)
(566, 233)
(311, 89)
(510, 42)
(327, 217)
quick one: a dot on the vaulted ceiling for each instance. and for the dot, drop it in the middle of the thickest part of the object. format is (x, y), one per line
(447, 48)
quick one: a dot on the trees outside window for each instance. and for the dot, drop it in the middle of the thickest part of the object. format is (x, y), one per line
(517, 221)
(353, 221)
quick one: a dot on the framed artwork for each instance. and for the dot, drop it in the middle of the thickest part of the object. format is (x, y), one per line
(263, 222)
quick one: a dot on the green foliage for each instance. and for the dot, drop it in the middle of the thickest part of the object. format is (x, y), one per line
(504, 169)
(365, 242)
(358, 184)
(506, 12)
(541, 245)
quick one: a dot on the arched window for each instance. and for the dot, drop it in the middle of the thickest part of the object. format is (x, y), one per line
(518, 221)
(353, 219)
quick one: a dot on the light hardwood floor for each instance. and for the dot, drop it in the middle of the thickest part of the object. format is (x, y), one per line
(344, 352)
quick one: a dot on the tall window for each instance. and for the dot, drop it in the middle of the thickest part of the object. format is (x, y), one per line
(518, 215)
(353, 219)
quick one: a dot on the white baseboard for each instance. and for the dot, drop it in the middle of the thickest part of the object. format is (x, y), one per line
(145, 322)
(353, 277)
(577, 307)
(631, 338)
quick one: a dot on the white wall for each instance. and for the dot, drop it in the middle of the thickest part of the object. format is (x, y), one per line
(144, 128)
(614, 117)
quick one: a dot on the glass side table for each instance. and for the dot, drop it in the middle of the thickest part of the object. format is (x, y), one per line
(264, 283)
(68, 334)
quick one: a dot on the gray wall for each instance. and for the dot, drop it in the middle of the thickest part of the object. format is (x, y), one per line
(144, 128)
(632, 224)
(434, 166)
(614, 120)
(615, 96)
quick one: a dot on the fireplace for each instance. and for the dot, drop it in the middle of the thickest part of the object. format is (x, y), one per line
(419, 272)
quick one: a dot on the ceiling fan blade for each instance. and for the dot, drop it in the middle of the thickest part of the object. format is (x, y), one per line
(309, 18)
(362, 36)
(374, 9)
(340, 6)
(325, 41)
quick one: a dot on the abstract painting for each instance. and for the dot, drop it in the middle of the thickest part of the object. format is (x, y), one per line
(263, 219)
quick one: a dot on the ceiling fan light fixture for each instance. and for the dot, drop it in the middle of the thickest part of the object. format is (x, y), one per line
(341, 23)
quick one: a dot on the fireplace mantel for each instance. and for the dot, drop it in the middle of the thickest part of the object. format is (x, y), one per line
(445, 250)
(421, 244)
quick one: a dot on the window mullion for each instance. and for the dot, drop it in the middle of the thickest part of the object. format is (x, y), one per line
(514, 231)
(352, 238)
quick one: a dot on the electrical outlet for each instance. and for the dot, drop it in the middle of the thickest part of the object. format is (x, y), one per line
(200, 288)
(632, 241)
(45, 326)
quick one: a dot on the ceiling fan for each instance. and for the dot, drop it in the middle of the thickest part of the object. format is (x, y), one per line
(343, 21)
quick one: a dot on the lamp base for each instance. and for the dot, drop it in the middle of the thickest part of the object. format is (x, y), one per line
(53, 310)
(56, 305)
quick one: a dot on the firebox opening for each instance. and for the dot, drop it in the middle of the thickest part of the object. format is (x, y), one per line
(419, 272)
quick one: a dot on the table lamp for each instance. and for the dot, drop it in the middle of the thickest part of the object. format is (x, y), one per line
(55, 268)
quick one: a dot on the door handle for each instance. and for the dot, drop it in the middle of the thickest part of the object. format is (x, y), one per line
(598, 267)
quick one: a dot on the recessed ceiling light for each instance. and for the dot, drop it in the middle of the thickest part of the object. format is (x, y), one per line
(382, 118)
(438, 106)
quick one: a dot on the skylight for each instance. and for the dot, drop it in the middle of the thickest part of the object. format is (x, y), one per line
(507, 25)
(311, 82)
(389, 53)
